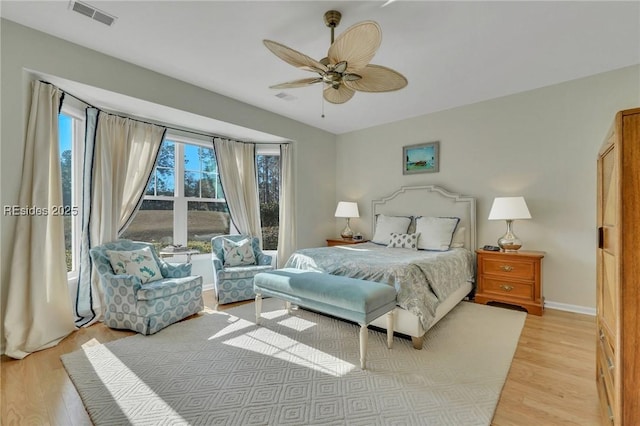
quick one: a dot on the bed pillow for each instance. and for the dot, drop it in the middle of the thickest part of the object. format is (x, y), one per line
(140, 263)
(238, 253)
(408, 241)
(385, 225)
(458, 238)
(436, 233)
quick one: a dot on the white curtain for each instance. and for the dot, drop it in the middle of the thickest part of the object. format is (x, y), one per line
(287, 225)
(121, 153)
(237, 167)
(39, 312)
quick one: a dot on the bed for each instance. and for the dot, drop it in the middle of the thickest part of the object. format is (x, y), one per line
(429, 283)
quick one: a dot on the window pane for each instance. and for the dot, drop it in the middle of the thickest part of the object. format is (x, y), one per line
(151, 188)
(191, 184)
(268, 169)
(164, 173)
(207, 160)
(165, 181)
(191, 158)
(65, 137)
(208, 185)
(153, 223)
(205, 220)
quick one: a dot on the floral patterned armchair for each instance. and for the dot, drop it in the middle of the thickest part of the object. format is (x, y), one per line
(235, 283)
(154, 296)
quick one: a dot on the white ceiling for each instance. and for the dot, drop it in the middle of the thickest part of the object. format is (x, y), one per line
(452, 53)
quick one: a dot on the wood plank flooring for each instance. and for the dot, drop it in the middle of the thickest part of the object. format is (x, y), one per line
(551, 380)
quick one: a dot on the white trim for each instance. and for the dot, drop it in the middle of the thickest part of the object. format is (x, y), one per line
(570, 308)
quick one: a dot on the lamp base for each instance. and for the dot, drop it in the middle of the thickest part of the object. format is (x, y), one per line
(347, 232)
(509, 242)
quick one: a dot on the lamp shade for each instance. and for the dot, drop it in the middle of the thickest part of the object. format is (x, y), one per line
(347, 209)
(509, 208)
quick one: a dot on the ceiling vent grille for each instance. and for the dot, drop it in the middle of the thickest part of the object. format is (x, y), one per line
(93, 13)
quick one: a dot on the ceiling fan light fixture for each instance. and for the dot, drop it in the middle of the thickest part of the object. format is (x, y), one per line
(346, 68)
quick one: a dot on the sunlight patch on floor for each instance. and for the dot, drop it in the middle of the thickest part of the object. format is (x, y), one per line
(113, 372)
(267, 342)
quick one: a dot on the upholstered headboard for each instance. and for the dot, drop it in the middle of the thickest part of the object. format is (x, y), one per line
(429, 200)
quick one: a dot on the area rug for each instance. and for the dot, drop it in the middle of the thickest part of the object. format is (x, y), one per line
(301, 369)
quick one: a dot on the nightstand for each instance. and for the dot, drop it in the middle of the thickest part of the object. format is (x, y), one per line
(343, 241)
(511, 277)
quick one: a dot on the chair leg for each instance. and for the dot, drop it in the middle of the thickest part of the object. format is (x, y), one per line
(258, 307)
(390, 329)
(364, 335)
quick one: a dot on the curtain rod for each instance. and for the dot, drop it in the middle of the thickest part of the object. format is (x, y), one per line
(208, 135)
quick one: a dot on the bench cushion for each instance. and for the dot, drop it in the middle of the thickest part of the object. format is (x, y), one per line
(349, 298)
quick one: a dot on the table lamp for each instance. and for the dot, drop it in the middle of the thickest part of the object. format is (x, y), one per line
(509, 209)
(348, 210)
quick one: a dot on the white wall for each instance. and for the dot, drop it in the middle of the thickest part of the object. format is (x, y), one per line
(541, 144)
(24, 49)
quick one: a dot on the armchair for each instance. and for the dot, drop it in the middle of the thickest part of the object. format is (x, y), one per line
(235, 283)
(146, 308)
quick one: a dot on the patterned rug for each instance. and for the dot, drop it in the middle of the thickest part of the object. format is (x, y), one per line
(302, 369)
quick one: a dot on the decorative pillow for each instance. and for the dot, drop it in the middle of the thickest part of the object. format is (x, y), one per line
(408, 241)
(436, 233)
(238, 253)
(140, 263)
(385, 225)
(458, 238)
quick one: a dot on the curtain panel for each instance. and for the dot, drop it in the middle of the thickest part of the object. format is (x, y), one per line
(120, 154)
(237, 167)
(287, 226)
(39, 312)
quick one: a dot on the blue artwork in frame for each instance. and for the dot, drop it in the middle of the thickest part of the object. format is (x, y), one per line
(421, 158)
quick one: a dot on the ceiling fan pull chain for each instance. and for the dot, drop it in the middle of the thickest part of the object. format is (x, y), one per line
(322, 98)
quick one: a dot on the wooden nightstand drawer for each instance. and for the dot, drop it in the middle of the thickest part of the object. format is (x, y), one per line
(515, 268)
(508, 288)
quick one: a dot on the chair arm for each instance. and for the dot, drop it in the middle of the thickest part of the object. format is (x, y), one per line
(122, 285)
(175, 270)
(217, 263)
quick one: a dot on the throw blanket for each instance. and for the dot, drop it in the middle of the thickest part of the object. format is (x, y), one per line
(423, 279)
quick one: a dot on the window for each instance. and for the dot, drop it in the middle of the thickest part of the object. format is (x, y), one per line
(268, 174)
(70, 138)
(184, 203)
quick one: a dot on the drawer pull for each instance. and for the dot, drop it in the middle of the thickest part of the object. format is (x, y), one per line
(506, 287)
(506, 268)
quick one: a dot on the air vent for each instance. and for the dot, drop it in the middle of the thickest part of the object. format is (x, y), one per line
(285, 96)
(93, 13)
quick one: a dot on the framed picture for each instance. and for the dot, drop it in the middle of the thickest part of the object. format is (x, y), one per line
(421, 158)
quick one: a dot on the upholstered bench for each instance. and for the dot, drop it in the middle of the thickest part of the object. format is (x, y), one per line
(347, 298)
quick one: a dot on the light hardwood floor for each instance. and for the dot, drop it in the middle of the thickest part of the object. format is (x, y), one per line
(551, 380)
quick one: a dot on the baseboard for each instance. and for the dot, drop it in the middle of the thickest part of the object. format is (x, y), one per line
(570, 308)
(207, 286)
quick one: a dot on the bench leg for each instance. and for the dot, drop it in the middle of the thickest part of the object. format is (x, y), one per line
(390, 329)
(258, 307)
(417, 342)
(364, 335)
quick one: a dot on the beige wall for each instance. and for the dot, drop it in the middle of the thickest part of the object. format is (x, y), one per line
(540, 144)
(22, 48)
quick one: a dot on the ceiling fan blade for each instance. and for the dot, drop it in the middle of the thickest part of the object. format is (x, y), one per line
(376, 78)
(338, 96)
(297, 83)
(295, 58)
(356, 45)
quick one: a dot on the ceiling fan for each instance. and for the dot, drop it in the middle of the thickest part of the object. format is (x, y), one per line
(346, 67)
